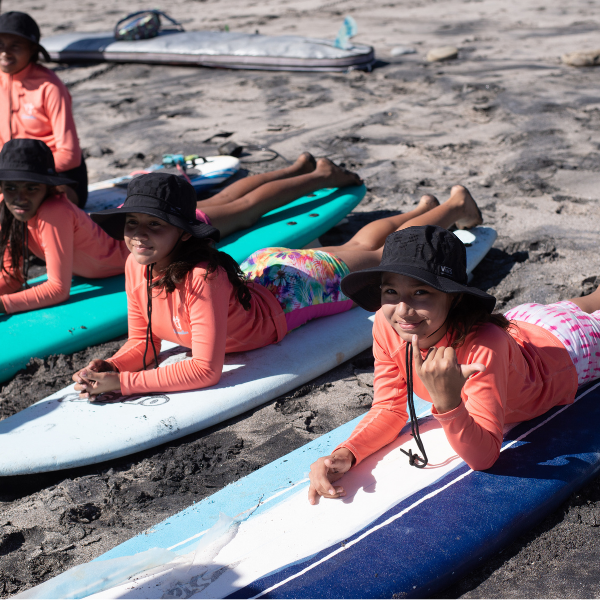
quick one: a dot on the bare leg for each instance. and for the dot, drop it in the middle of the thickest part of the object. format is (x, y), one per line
(590, 303)
(460, 210)
(305, 163)
(364, 250)
(245, 211)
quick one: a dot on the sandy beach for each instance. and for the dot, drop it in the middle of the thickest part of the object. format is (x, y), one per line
(506, 118)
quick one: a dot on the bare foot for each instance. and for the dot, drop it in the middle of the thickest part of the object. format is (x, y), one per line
(471, 214)
(427, 202)
(335, 176)
(305, 163)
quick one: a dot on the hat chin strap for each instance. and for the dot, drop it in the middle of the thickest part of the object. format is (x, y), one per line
(414, 459)
(149, 338)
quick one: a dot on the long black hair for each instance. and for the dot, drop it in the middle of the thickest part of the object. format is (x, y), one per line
(201, 250)
(14, 238)
(467, 315)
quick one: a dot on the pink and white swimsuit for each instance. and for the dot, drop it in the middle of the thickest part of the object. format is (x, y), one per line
(578, 331)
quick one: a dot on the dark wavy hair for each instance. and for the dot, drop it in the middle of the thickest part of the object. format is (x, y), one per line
(13, 236)
(467, 315)
(188, 254)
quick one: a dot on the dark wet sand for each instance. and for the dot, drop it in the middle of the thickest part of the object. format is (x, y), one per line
(507, 119)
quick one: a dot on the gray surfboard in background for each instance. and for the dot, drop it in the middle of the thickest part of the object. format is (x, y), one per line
(213, 49)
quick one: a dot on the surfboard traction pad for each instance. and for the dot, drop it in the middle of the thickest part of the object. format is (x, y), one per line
(213, 49)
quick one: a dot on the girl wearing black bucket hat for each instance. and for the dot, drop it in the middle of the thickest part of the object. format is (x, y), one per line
(35, 217)
(183, 290)
(34, 102)
(479, 370)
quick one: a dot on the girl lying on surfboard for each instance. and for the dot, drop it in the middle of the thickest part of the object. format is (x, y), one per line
(437, 335)
(242, 203)
(181, 289)
(35, 103)
(36, 217)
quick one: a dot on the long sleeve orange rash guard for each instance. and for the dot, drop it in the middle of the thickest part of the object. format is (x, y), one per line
(203, 314)
(35, 104)
(71, 244)
(528, 371)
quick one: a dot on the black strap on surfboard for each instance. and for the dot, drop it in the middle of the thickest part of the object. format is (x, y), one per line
(414, 459)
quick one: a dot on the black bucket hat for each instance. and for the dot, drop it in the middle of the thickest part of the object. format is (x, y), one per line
(430, 254)
(29, 160)
(168, 197)
(21, 24)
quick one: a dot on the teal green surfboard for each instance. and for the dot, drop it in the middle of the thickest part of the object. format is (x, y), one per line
(96, 310)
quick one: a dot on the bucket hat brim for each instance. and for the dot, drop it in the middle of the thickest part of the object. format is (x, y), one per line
(17, 175)
(113, 221)
(364, 287)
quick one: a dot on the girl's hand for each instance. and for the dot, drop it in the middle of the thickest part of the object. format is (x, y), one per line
(441, 374)
(98, 377)
(325, 471)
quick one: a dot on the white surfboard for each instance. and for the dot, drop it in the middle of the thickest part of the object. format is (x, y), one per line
(110, 193)
(63, 431)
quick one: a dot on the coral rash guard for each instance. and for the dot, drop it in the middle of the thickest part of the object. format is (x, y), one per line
(528, 371)
(35, 104)
(203, 314)
(70, 243)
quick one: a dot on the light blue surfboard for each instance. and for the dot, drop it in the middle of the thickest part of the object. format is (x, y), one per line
(211, 171)
(399, 532)
(97, 308)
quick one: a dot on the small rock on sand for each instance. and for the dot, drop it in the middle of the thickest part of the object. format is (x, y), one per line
(442, 53)
(590, 58)
(400, 50)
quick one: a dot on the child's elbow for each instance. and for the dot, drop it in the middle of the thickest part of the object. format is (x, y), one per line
(212, 378)
(62, 295)
(484, 462)
(206, 376)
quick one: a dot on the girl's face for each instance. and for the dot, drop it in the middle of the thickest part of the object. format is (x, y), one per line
(23, 198)
(414, 308)
(152, 240)
(15, 53)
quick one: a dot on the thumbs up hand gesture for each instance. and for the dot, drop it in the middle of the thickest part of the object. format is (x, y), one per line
(441, 374)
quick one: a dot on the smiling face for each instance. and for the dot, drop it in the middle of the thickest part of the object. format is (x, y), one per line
(23, 198)
(151, 240)
(414, 308)
(15, 53)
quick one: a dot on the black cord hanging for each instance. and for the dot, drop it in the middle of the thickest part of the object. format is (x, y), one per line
(25, 237)
(414, 423)
(149, 328)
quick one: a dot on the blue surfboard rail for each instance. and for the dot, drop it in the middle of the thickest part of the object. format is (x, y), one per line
(96, 310)
(429, 540)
